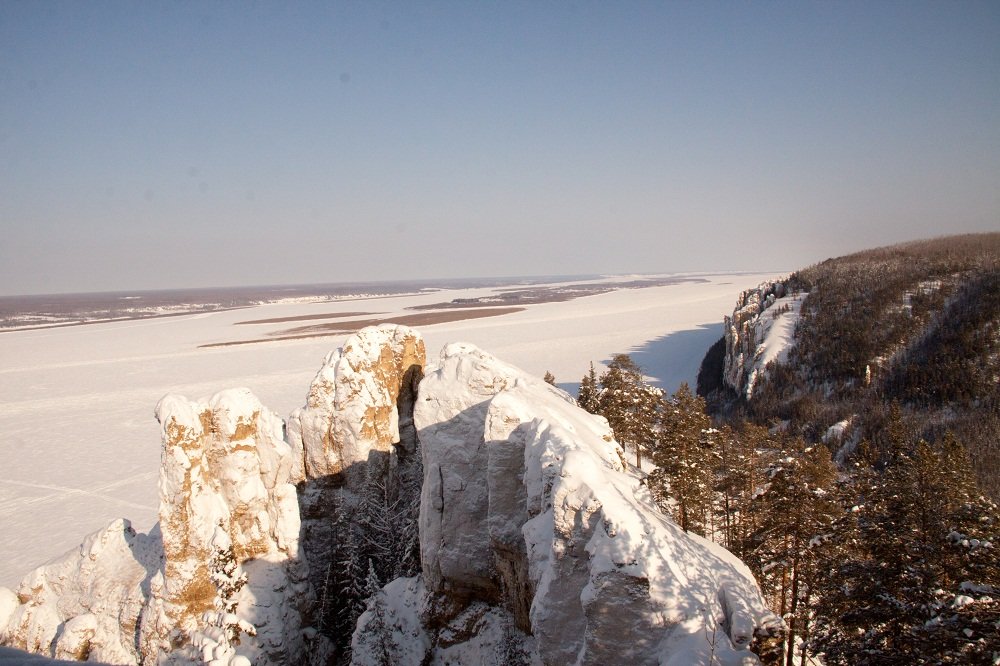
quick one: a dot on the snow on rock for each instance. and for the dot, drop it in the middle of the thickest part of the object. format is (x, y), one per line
(221, 566)
(230, 527)
(759, 332)
(8, 604)
(392, 624)
(351, 405)
(87, 603)
(527, 505)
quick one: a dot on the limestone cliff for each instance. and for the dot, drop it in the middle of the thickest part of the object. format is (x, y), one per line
(759, 331)
(351, 408)
(232, 582)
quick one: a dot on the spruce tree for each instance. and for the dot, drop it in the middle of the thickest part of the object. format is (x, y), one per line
(684, 455)
(919, 582)
(588, 396)
(795, 527)
(744, 455)
(374, 642)
(629, 404)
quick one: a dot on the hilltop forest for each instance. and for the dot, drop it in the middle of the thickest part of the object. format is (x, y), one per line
(858, 481)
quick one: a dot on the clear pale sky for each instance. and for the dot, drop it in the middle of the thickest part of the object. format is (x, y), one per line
(149, 145)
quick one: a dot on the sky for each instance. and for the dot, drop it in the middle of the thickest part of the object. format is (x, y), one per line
(170, 145)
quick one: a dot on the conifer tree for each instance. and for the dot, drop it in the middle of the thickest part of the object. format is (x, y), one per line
(351, 594)
(372, 583)
(629, 404)
(742, 460)
(587, 397)
(388, 528)
(683, 483)
(920, 582)
(374, 641)
(229, 578)
(795, 525)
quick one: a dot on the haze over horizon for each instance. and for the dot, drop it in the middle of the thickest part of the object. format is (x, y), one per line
(193, 145)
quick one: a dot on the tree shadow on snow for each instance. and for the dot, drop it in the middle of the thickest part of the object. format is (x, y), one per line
(676, 357)
(669, 359)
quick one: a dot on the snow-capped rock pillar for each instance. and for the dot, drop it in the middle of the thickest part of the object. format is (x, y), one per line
(227, 511)
(526, 506)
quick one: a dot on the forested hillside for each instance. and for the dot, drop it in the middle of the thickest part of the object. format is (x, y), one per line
(843, 443)
(917, 325)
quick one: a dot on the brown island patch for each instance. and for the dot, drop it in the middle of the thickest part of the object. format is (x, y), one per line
(340, 328)
(555, 294)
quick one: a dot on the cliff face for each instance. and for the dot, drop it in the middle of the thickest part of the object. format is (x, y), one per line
(759, 331)
(536, 541)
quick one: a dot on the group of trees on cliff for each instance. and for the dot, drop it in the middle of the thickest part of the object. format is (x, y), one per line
(374, 541)
(889, 559)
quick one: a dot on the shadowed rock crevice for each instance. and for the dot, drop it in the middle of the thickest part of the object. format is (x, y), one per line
(360, 482)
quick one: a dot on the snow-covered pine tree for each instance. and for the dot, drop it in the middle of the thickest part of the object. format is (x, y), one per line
(918, 581)
(372, 583)
(685, 457)
(373, 642)
(407, 536)
(223, 626)
(376, 521)
(795, 522)
(742, 459)
(630, 405)
(348, 595)
(587, 397)
(510, 650)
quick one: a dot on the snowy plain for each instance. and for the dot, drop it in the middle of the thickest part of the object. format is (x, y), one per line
(80, 447)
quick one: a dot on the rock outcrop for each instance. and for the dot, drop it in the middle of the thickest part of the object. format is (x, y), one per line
(232, 582)
(355, 438)
(218, 579)
(754, 339)
(86, 604)
(537, 542)
(529, 512)
(352, 405)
